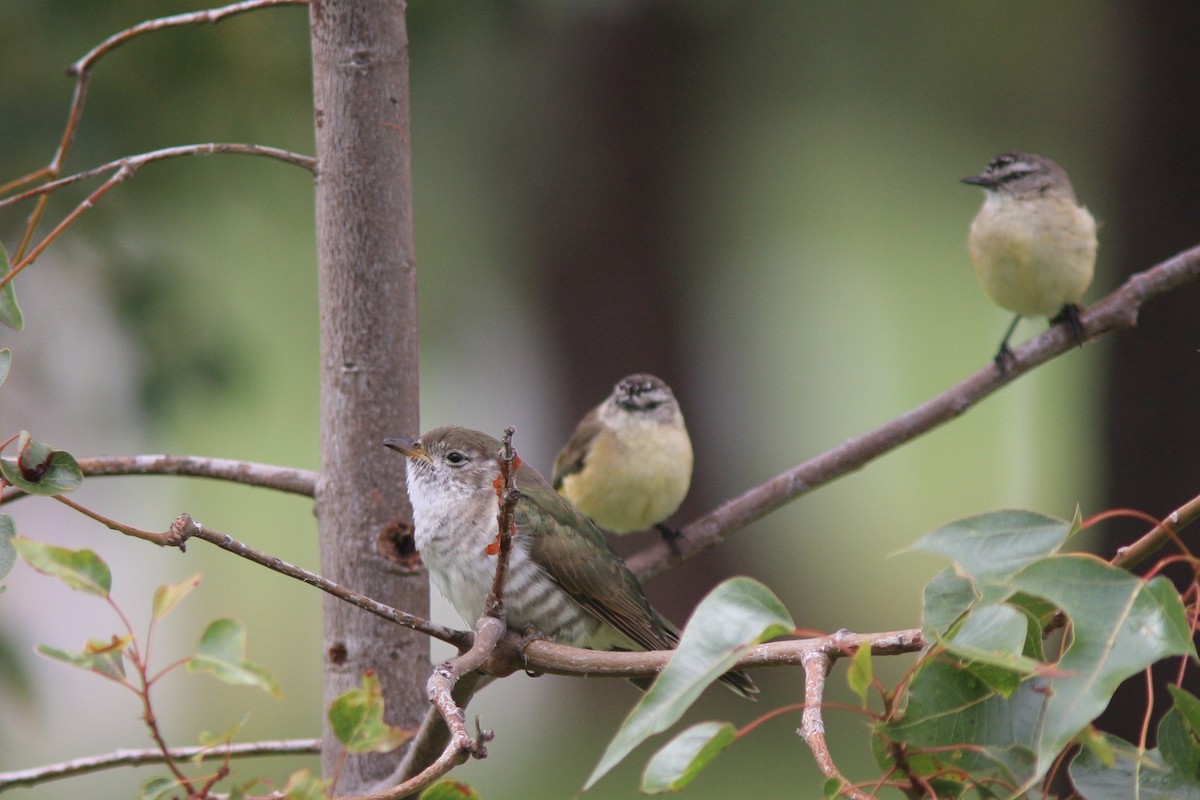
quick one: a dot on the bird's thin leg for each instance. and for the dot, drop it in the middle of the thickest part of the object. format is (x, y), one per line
(671, 537)
(1004, 356)
(1070, 315)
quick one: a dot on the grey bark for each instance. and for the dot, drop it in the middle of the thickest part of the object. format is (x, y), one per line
(368, 307)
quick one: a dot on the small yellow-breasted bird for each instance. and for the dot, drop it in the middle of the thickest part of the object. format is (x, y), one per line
(628, 465)
(563, 579)
(1033, 245)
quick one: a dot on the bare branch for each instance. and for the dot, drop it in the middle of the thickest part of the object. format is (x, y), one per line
(250, 473)
(136, 758)
(1117, 311)
(817, 664)
(185, 528)
(140, 160)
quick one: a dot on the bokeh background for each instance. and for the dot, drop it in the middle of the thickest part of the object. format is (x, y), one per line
(758, 202)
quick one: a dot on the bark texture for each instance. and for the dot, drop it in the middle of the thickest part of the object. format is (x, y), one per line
(368, 372)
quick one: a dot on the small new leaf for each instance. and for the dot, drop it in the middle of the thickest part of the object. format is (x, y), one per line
(5, 362)
(166, 597)
(356, 718)
(79, 569)
(304, 785)
(103, 658)
(861, 672)
(10, 312)
(222, 653)
(449, 790)
(156, 787)
(678, 762)
(8, 553)
(40, 469)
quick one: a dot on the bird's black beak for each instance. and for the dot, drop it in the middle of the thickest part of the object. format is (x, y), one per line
(978, 180)
(410, 447)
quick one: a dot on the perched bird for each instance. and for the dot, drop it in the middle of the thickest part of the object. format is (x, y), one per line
(1033, 245)
(628, 465)
(563, 580)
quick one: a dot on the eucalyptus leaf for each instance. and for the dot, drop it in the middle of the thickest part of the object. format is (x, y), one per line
(80, 569)
(679, 761)
(222, 654)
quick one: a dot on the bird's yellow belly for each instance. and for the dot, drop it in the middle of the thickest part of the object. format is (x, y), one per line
(632, 483)
(1033, 261)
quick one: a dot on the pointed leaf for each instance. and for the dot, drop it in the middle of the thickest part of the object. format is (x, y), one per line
(103, 658)
(1120, 626)
(678, 762)
(990, 642)
(356, 718)
(10, 312)
(991, 548)
(735, 615)
(166, 597)
(449, 790)
(1134, 774)
(8, 553)
(222, 652)
(214, 740)
(304, 785)
(947, 597)
(5, 362)
(79, 569)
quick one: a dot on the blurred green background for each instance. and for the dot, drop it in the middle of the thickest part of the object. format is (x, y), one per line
(758, 202)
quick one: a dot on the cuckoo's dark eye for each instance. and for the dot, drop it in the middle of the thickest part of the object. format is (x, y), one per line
(454, 458)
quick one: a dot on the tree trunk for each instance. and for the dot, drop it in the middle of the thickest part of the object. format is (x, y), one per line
(368, 306)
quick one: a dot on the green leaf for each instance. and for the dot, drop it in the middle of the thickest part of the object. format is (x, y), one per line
(79, 569)
(40, 469)
(990, 641)
(861, 672)
(304, 785)
(449, 790)
(10, 312)
(1178, 738)
(991, 548)
(5, 362)
(168, 596)
(8, 553)
(678, 762)
(1120, 625)
(222, 652)
(947, 597)
(219, 740)
(1189, 706)
(1134, 774)
(356, 718)
(156, 787)
(103, 658)
(735, 615)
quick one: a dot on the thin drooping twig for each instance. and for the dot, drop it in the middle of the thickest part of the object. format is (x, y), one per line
(136, 758)
(138, 161)
(82, 71)
(250, 473)
(1117, 311)
(184, 528)
(1153, 539)
(125, 168)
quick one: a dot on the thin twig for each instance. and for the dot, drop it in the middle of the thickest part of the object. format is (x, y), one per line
(184, 528)
(137, 758)
(507, 496)
(1153, 539)
(125, 169)
(140, 160)
(82, 71)
(250, 473)
(1117, 311)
